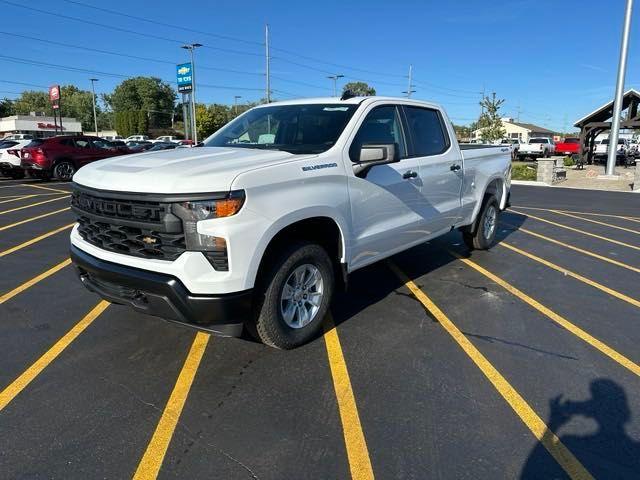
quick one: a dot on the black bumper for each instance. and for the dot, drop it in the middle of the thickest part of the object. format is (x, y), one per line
(163, 296)
(8, 167)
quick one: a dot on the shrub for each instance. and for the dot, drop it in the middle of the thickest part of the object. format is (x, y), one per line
(569, 162)
(524, 172)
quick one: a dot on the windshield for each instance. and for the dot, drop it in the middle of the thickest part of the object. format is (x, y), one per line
(538, 140)
(311, 128)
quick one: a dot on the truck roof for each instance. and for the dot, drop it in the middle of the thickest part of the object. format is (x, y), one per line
(351, 101)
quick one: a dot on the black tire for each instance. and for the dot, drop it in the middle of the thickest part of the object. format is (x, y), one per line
(270, 325)
(17, 174)
(482, 238)
(64, 170)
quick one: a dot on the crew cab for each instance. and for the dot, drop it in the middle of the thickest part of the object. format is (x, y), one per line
(257, 228)
(10, 158)
(622, 151)
(537, 147)
(569, 146)
(62, 156)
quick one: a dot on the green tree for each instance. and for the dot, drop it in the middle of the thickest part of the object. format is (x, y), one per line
(6, 108)
(149, 94)
(32, 101)
(210, 118)
(360, 89)
(490, 123)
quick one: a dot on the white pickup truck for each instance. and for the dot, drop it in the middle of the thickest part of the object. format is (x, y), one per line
(602, 150)
(259, 227)
(537, 147)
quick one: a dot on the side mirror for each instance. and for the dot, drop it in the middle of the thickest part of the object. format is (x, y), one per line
(372, 155)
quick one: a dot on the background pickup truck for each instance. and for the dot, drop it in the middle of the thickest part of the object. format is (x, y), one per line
(622, 151)
(537, 147)
(569, 146)
(257, 229)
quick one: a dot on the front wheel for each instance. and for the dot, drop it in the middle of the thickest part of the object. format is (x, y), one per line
(486, 226)
(64, 171)
(295, 296)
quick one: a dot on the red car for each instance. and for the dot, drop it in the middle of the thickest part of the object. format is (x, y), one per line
(569, 146)
(62, 156)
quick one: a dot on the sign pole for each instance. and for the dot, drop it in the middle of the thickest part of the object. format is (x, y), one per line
(55, 120)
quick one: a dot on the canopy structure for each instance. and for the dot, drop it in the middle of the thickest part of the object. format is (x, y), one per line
(600, 121)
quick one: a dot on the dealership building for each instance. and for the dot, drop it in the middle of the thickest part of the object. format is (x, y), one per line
(39, 126)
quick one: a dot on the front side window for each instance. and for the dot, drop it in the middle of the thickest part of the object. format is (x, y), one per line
(81, 143)
(311, 128)
(382, 126)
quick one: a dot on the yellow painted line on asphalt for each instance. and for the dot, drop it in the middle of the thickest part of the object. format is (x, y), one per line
(35, 240)
(623, 217)
(577, 230)
(576, 249)
(617, 227)
(37, 217)
(34, 204)
(577, 276)
(569, 463)
(34, 280)
(45, 188)
(153, 457)
(20, 383)
(23, 197)
(550, 314)
(356, 445)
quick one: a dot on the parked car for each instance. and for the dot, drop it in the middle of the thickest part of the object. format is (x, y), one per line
(10, 158)
(601, 152)
(569, 146)
(19, 136)
(112, 138)
(136, 138)
(263, 223)
(162, 146)
(167, 139)
(62, 156)
(537, 147)
(139, 145)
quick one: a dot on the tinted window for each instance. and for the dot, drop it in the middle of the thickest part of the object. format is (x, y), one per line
(35, 143)
(82, 143)
(67, 142)
(381, 126)
(539, 140)
(571, 140)
(427, 131)
(7, 144)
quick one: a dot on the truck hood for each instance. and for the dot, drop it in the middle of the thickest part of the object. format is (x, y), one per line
(183, 170)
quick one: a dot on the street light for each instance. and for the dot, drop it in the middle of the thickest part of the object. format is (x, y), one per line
(235, 103)
(93, 98)
(191, 47)
(335, 80)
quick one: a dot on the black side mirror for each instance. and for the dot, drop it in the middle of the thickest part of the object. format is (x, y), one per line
(372, 155)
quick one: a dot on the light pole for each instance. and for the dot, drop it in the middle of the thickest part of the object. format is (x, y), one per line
(335, 81)
(191, 47)
(617, 103)
(235, 103)
(93, 98)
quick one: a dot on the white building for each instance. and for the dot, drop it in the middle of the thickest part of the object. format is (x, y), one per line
(39, 126)
(522, 131)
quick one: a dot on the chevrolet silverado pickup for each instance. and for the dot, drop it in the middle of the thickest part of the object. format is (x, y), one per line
(537, 147)
(257, 228)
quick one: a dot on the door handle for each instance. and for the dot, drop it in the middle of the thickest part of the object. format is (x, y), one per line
(409, 174)
(455, 167)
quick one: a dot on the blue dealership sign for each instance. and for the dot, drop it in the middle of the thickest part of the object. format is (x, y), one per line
(185, 77)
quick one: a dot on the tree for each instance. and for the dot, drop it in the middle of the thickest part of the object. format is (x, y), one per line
(490, 123)
(210, 118)
(360, 89)
(32, 101)
(6, 108)
(148, 94)
(462, 131)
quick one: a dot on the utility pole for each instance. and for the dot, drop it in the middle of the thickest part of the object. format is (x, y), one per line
(410, 89)
(482, 101)
(191, 47)
(93, 98)
(617, 103)
(268, 59)
(235, 103)
(335, 81)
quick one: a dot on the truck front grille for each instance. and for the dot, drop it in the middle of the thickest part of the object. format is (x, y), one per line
(129, 240)
(132, 210)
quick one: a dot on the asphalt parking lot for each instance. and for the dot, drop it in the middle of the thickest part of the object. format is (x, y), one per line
(518, 362)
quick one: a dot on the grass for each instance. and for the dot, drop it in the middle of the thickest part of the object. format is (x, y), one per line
(524, 171)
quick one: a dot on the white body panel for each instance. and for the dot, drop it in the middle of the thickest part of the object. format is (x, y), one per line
(14, 160)
(545, 147)
(377, 216)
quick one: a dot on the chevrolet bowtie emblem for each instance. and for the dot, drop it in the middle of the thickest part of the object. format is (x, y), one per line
(149, 240)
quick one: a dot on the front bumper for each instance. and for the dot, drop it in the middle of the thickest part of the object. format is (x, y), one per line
(163, 295)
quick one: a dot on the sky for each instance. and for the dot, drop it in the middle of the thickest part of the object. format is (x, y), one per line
(552, 61)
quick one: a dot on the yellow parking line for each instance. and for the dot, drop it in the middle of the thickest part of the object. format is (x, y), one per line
(153, 457)
(34, 240)
(559, 212)
(33, 281)
(606, 239)
(356, 445)
(34, 204)
(623, 217)
(563, 322)
(576, 249)
(38, 217)
(20, 383)
(577, 276)
(45, 188)
(570, 464)
(23, 197)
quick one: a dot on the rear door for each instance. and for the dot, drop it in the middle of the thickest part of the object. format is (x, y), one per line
(440, 167)
(84, 151)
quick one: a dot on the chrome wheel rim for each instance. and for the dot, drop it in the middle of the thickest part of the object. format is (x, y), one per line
(301, 296)
(64, 171)
(490, 221)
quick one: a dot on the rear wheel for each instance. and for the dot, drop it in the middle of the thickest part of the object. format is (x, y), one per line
(486, 226)
(64, 170)
(295, 295)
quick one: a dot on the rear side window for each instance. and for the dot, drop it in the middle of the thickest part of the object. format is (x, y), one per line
(427, 131)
